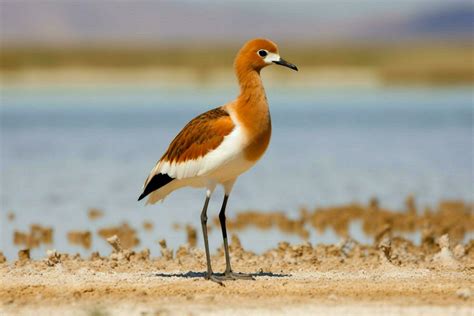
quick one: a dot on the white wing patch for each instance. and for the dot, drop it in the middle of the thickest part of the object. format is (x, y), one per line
(230, 148)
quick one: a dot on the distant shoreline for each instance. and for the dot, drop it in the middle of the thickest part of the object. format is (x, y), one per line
(220, 77)
(330, 65)
(178, 76)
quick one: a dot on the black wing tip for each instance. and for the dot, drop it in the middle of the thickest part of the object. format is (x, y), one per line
(141, 196)
(158, 181)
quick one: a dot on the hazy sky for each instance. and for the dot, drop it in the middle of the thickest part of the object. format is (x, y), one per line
(82, 21)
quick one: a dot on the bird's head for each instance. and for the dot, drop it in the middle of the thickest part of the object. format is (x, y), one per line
(259, 53)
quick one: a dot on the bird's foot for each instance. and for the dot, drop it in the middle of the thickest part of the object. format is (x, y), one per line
(230, 275)
(214, 278)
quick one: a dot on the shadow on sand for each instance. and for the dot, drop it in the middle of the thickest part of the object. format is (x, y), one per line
(192, 274)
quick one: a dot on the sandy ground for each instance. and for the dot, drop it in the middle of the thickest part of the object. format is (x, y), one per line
(393, 278)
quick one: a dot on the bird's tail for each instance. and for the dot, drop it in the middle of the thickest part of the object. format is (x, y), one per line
(161, 193)
(156, 182)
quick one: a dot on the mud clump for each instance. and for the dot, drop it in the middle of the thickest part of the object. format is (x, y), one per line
(35, 237)
(119, 253)
(166, 253)
(24, 255)
(144, 254)
(147, 225)
(445, 257)
(265, 221)
(455, 218)
(53, 258)
(459, 251)
(126, 234)
(114, 241)
(95, 256)
(191, 234)
(94, 214)
(81, 238)
(385, 256)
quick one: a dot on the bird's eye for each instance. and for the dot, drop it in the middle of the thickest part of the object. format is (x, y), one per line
(262, 53)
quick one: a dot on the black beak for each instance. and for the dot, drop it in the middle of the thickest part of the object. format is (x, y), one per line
(283, 62)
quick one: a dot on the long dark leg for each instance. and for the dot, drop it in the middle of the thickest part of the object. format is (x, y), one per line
(229, 275)
(224, 234)
(209, 275)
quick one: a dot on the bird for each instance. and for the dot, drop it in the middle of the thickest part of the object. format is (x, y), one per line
(217, 146)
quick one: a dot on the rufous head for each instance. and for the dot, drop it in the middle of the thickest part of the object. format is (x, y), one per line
(259, 53)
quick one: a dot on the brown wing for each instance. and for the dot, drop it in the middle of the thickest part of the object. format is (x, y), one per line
(203, 134)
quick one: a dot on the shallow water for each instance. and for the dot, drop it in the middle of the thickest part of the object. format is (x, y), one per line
(65, 150)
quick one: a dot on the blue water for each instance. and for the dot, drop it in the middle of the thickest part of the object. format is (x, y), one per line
(65, 150)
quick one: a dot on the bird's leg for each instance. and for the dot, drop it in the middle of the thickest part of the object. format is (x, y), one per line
(210, 275)
(224, 235)
(229, 274)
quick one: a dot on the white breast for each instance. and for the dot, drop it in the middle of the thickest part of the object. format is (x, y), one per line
(225, 162)
(228, 161)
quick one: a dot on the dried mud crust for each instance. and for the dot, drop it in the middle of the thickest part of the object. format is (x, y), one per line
(393, 272)
(393, 275)
(455, 218)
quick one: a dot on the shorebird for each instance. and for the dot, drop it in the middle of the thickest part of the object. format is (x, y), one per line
(219, 145)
